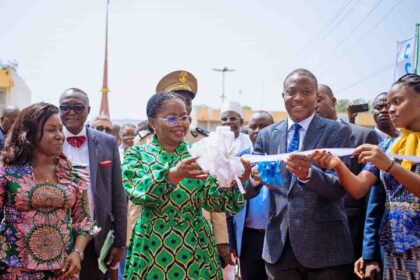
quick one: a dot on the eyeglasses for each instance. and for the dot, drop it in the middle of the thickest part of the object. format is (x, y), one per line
(173, 120)
(128, 134)
(230, 119)
(104, 129)
(75, 108)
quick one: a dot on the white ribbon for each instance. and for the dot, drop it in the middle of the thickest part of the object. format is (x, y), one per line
(340, 152)
(217, 155)
(282, 157)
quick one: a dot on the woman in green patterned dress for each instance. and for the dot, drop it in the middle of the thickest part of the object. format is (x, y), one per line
(171, 239)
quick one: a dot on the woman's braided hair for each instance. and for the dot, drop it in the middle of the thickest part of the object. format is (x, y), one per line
(21, 139)
(409, 81)
(157, 100)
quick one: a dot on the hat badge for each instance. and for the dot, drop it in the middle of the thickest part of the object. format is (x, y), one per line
(183, 77)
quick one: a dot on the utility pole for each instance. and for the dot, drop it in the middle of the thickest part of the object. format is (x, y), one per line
(223, 70)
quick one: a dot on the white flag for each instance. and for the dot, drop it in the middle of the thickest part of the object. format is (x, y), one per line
(404, 63)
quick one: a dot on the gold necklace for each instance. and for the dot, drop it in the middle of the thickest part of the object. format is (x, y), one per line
(43, 180)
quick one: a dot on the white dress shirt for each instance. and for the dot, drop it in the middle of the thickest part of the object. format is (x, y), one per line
(79, 156)
(243, 141)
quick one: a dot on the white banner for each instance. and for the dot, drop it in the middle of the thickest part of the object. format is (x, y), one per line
(404, 63)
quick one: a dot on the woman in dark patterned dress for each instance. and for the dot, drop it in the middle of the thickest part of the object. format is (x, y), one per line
(400, 234)
(171, 239)
(46, 223)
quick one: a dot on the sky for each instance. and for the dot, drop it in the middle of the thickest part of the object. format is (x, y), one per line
(349, 45)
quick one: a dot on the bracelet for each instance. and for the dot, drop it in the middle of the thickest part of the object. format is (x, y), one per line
(389, 168)
(79, 252)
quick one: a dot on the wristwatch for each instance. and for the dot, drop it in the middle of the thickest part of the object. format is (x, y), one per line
(308, 177)
(79, 252)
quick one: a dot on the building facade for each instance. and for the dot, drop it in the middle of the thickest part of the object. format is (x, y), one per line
(13, 90)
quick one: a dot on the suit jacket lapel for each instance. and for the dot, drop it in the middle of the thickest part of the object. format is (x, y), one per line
(93, 158)
(279, 139)
(313, 134)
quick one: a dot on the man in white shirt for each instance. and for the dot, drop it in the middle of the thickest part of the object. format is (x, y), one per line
(231, 115)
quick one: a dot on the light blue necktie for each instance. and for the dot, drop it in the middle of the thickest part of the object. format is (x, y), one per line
(294, 142)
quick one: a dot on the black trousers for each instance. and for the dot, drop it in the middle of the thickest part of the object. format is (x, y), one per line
(252, 264)
(289, 268)
(90, 269)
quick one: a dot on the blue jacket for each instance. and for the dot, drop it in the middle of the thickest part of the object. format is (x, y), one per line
(374, 221)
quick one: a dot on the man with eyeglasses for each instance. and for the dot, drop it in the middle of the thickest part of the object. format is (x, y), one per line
(231, 115)
(103, 124)
(184, 84)
(107, 200)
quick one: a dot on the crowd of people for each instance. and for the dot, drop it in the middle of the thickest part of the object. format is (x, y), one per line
(70, 190)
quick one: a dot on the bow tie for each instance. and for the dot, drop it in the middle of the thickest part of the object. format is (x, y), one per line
(76, 141)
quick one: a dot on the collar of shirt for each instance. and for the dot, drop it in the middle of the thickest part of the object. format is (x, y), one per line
(381, 133)
(243, 141)
(68, 133)
(304, 123)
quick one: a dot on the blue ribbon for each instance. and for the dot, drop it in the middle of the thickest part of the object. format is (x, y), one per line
(269, 173)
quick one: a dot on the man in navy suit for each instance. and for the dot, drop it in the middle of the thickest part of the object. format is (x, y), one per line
(355, 208)
(107, 201)
(307, 235)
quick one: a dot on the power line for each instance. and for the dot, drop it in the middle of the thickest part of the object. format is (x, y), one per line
(351, 33)
(360, 38)
(340, 21)
(357, 26)
(373, 74)
(329, 25)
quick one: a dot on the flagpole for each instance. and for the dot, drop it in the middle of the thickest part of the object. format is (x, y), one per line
(396, 62)
(417, 44)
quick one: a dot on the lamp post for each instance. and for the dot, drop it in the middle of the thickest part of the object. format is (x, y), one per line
(223, 70)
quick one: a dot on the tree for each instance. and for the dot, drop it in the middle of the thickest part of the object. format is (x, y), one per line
(342, 105)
